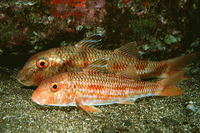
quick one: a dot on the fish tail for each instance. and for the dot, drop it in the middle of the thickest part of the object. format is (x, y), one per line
(168, 85)
(178, 63)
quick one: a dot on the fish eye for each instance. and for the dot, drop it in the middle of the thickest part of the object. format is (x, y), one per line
(55, 87)
(42, 63)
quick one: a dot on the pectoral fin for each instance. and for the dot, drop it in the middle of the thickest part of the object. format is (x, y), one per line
(81, 106)
(86, 108)
(91, 108)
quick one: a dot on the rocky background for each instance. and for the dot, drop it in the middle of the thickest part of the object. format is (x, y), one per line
(28, 27)
(162, 29)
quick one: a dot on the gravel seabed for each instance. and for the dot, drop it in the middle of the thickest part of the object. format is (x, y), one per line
(18, 113)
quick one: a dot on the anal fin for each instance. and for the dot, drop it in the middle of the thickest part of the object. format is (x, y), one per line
(171, 91)
(186, 78)
(132, 101)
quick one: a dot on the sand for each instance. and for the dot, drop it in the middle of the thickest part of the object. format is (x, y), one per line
(18, 113)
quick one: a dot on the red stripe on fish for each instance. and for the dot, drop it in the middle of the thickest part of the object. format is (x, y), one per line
(85, 89)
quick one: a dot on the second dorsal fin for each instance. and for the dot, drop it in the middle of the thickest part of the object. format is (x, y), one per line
(93, 41)
(129, 49)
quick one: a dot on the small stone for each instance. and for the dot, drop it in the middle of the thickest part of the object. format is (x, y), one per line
(191, 106)
(127, 123)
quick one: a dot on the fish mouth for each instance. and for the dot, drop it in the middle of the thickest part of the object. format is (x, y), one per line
(36, 101)
(24, 80)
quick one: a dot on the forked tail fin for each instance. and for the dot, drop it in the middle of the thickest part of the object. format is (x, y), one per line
(168, 85)
(178, 63)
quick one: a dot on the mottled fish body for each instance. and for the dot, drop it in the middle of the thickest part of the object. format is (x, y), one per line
(74, 58)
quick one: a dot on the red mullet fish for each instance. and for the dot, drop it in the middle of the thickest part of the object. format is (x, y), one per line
(74, 58)
(85, 89)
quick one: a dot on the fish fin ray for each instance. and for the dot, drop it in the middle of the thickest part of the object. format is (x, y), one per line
(99, 65)
(179, 63)
(173, 79)
(171, 91)
(186, 78)
(129, 72)
(91, 108)
(71, 69)
(81, 106)
(167, 83)
(93, 41)
(129, 49)
(132, 101)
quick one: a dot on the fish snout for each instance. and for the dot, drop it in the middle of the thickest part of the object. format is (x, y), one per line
(23, 81)
(36, 97)
(35, 100)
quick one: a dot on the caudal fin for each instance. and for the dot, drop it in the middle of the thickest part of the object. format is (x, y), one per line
(178, 63)
(173, 79)
(168, 83)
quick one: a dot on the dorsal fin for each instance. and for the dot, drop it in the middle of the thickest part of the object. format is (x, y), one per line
(129, 72)
(99, 65)
(129, 49)
(93, 41)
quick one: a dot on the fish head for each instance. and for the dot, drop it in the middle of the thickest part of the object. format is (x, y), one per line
(54, 91)
(39, 67)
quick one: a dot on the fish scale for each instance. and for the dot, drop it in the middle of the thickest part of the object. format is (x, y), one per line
(79, 57)
(85, 89)
(111, 85)
(116, 63)
(76, 56)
